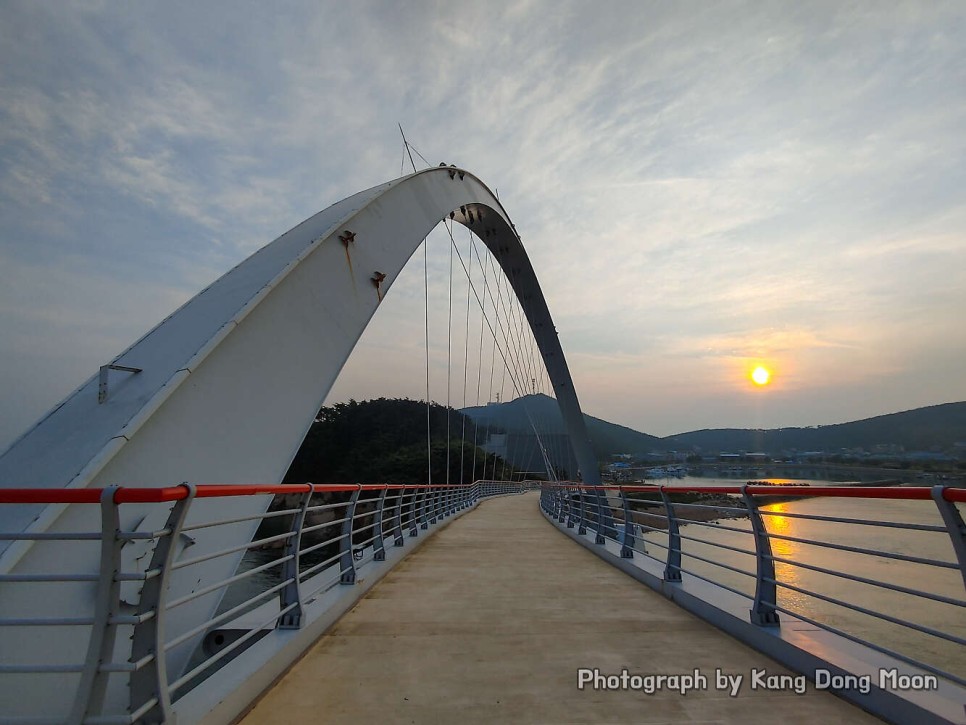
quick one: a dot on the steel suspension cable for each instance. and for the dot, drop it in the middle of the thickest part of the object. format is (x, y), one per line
(510, 350)
(449, 363)
(429, 446)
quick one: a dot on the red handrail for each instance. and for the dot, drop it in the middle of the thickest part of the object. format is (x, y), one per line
(128, 494)
(912, 493)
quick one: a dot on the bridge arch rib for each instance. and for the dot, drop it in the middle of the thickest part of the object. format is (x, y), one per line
(228, 385)
(230, 382)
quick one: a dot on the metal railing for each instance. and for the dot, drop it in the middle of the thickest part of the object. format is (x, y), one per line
(313, 539)
(708, 532)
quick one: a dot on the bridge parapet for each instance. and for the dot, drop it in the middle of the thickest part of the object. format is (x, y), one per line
(317, 551)
(790, 603)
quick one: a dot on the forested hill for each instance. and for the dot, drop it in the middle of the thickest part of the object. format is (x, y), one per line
(606, 438)
(936, 426)
(384, 441)
(939, 426)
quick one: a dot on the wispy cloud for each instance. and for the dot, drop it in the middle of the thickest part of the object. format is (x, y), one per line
(741, 179)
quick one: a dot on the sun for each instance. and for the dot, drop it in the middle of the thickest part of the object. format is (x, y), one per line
(760, 375)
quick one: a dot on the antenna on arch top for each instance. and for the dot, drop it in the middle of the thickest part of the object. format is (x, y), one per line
(406, 143)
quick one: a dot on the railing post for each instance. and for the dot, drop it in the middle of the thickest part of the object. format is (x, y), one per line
(582, 515)
(571, 508)
(627, 540)
(378, 547)
(347, 563)
(433, 513)
(561, 514)
(397, 534)
(151, 681)
(954, 525)
(672, 565)
(599, 498)
(89, 698)
(291, 593)
(610, 525)
(766, 596)
(413, 523)
(423, 522)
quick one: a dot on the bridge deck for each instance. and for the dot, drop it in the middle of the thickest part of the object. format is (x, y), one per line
(490, 620)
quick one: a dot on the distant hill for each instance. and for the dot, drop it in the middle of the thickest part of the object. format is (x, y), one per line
(920, 429)
(514, 417)
(935, 426)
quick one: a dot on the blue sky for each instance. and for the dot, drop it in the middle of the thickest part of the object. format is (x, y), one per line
(700, 186)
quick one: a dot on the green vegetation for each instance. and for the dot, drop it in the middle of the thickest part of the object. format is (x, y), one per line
(384, 441)
(937, 427)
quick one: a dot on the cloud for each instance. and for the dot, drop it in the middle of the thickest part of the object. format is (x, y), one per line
(747, 178)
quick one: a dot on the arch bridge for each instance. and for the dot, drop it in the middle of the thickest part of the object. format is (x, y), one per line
(123, 594)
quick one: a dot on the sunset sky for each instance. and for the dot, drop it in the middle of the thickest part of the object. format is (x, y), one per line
(702, 187)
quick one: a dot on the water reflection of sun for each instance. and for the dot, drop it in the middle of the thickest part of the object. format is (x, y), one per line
(775, 523)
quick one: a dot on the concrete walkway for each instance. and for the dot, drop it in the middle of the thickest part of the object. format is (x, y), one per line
(490, 621)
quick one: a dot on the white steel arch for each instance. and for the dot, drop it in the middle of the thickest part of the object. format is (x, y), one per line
(228, 385)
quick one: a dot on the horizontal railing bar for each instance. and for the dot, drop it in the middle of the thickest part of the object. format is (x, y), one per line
(656, 514)
(685, 537)
(49, 578)
(240, 519)
(868, 643)
(318, 567)
(224, 616)
(232, 550)
(712, 581)
(913, 493)
(40, 669)
(132, 618)
(871, 612)
(861, 522)
(320, 544)
(143, 710)
(872, 582)
(136, 576)
(363, 544)
(47, 536)
(870, 552)
(47, 622)
(325, 506)
(357, 529)
(318, 527)
(718, 564)
(227, 582)
(126, 666)
(710, 507)
(230, 648)
(711, 525)
(651, 529)
(128, 494)
(143, 535)
(649, 542)
(110, 719)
